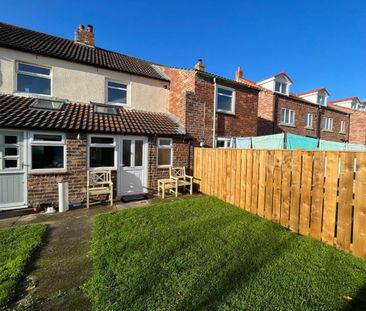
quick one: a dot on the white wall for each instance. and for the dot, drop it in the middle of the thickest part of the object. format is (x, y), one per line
(83, 83)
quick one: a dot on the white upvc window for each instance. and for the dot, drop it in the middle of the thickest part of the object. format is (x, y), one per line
(343, 127)
(165, 152)
(9, 152)
(47, 152)
(281, 87)
(287, 116)
(328, 124)
(224, 142)
(116, 93)
(225, 99)
(309, 120)
(321, 99)
(102, 152)
(33, 79)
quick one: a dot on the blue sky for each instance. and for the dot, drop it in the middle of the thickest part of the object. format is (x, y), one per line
(318, 43)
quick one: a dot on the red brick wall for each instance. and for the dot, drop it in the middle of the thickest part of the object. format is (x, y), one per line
(301, 108)
(182, 156)
(357, 133)
(335, 134)
(43, 188)
(242, 123)
(265, 112)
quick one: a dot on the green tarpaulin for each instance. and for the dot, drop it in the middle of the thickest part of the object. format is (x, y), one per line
(354, 147)
(243, 142)
(268, 141)
(331, 145)
(301, 142)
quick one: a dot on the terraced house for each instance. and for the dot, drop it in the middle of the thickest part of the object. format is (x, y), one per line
(67, 106)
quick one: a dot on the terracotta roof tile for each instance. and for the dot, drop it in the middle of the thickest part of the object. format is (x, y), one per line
(15, 112)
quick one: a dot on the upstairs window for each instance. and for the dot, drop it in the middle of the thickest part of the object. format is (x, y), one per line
(353, 105)
(309, 120)
(104, 109)
(281, 87)
(46, 104)
(328, 124)
(225, 99)
(33, 79)
(287, 116)
(343, 127)
(321, 99)
(116, 93)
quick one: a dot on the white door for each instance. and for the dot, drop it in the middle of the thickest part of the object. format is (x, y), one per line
(132, 170)
(12, 170)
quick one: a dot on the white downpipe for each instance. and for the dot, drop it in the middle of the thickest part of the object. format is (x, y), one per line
(214, 116)
(63, 197)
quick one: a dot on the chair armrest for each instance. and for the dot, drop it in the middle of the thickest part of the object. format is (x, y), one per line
(188, 176)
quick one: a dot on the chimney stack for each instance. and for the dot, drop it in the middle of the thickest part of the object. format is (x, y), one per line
(239, 74)
(85, 36)
(200, 66)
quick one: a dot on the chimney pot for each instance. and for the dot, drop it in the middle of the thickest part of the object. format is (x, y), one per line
(200, 66)
(239, 73)
(85, 36)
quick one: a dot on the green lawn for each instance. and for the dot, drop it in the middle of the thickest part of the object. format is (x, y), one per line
(203, 254)
(16, 248)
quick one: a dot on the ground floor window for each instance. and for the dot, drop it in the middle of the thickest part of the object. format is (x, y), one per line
(165, 152)
(224, 142)
(102, 152)
(47, 151)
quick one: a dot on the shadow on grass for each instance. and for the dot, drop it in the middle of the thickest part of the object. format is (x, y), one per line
(357, 303)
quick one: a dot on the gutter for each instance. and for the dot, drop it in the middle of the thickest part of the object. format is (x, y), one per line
(214, 115)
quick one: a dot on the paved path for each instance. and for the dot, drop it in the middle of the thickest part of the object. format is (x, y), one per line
(62, 264)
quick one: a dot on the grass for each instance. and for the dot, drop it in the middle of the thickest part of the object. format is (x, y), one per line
(204, 254)
(17, 245)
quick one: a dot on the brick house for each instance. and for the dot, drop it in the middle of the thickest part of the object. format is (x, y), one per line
(357, 111)
(67, 106)
(306, 114)
(212, 109)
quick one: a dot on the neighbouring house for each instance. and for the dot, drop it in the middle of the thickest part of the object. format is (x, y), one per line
(213, 109)
(357, 111)
(67, 106)
(306, 114)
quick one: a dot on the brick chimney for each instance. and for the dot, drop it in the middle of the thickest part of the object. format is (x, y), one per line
(85, 36)
(200, 66)
(238, 74)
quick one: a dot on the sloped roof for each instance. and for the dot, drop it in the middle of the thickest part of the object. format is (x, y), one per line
(313, 91)
(345, 99)
(23, 39)
(15, 112)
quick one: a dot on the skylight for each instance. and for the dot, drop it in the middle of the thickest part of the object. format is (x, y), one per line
(47, 104)
(105, 109)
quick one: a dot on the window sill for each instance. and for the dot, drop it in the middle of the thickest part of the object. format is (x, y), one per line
(309, 128)
(35, 95)
(47, 172)
(329, 131)
(288, 125)
(164, 166)
(342, 133)
(103, 168)
(226, 112)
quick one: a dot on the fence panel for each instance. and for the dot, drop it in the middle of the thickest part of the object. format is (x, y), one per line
(316, 193)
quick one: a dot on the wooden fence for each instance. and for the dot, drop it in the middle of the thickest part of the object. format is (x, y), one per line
(320, 193)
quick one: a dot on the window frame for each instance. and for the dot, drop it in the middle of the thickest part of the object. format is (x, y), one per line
(38, 75)
(61, 143)
(229, 140)
(307, 126)
(5, 157)
(171, 146)
(326, 123)
(282, 84)
(342, 129)
(283, 122)
(98, 145)
(233, 99)
(127, 93)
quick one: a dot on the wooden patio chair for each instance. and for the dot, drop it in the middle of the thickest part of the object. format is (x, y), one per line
(99, 182)
(183, 180)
